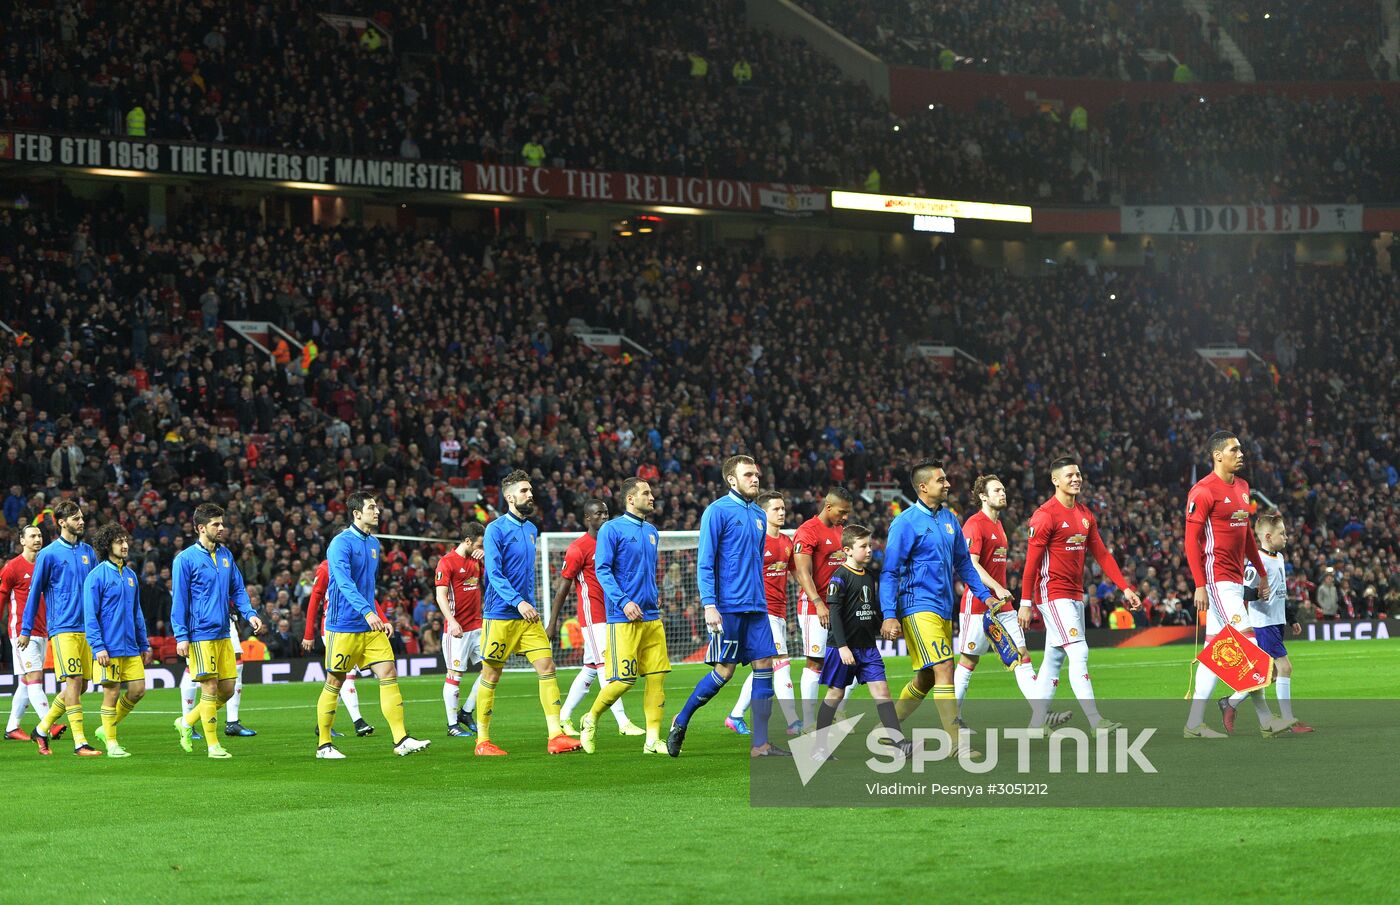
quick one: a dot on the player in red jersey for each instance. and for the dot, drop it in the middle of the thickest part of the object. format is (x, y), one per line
(988, 544)
(777, 564)
(1060, 531)
(1218, 543)
(592, 618)
(457, 586)
(817, 554)
(349, 695)
(29, 659)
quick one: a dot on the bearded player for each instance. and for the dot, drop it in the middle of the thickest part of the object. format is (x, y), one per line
(777, 564)
(987, 544)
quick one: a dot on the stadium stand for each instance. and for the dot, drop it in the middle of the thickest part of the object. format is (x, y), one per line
(1074, 38)
(708, 96)
(1316, 39)
(123, 396)
(1249, 147)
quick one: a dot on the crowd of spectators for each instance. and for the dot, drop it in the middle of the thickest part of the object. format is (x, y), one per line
(1310, 39)
(675, 88)
(445, 360)
(1101, 39)
(1251, 148)
(661, 87)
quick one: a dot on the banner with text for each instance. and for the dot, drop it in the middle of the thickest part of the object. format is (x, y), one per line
(1241, 219)
(104, 156)
(619, 188)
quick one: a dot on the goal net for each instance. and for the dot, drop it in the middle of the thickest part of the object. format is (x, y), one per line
(681, 612)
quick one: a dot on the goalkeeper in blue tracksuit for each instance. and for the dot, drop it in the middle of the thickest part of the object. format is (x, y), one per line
(729, 572)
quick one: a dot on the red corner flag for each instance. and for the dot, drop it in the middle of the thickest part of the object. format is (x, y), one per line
(1237, 660)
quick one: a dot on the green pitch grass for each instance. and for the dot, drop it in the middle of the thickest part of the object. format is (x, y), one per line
(275, 825)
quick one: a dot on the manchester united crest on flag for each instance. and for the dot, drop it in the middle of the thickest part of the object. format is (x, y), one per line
(1237, 660)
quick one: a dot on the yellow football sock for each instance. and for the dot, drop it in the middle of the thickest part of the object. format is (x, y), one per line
(485, 701)
(208, 713)
(325, 712)
(75, 724)
(56, 711)
(109, 723)
(909, 700)
(608, 695)
(124, 707)
(945, 698)
(654, 704)
(391, 702)
(549, 700)
(195, 716)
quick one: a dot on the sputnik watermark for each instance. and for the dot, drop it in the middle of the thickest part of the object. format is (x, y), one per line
(1067, 750)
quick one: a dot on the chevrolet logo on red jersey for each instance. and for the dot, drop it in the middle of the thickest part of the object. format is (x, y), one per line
(1239, 514)
(1075, 539)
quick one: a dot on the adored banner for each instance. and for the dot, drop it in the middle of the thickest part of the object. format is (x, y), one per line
(1241, 219)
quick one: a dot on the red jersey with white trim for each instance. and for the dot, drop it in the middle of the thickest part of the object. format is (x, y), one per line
(578, 568)
(461, 575)
(1059, 535)
(986, 540)
(1218, 539)
(15, 579)
(777, 563)
(823, 544)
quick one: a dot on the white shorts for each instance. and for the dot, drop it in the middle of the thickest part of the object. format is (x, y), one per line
(461, 653)
(1064, 621)
(595, 643)
(813, 636)
(1225, 606)
(29, 658)
(779, 626)
(972, 637)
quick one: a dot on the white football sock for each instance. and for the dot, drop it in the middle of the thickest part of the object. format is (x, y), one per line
(1078, 656)
(1283, 687)
(745, 696)
(38, 701)
(1261, 708)
(619, 713)
(810, 686)
(578, 691)
(451, 693)
(237, 698)
(782, 689)
(1046, 682)
(1025, 680)
(470, 706)
(189, 693)
(17, 703)
(1205, 689)
(350, 697)
(962, 677)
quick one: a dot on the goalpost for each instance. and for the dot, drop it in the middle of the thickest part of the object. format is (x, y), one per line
(681, 612)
